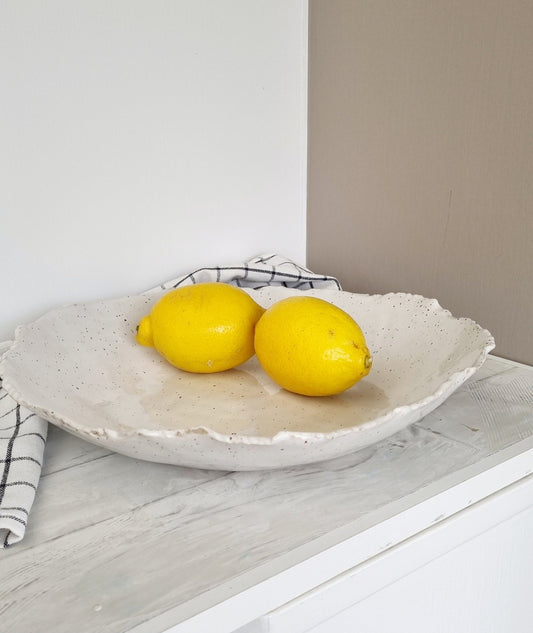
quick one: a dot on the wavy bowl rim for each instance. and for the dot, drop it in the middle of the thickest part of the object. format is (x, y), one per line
(453, 382)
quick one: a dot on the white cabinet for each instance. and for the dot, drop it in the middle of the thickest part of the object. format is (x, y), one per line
(470, 573)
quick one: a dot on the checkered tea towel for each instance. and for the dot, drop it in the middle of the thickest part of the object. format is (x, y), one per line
(266, 270)
(22, 439)
(23, 433)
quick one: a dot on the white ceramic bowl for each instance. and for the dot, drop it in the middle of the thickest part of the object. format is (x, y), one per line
(80, 368)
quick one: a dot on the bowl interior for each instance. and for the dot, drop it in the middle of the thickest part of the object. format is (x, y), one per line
(79, 366)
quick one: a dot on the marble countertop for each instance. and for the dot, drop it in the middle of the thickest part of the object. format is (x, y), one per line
(117, 545)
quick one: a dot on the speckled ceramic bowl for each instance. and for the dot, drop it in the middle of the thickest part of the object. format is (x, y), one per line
(80, 367)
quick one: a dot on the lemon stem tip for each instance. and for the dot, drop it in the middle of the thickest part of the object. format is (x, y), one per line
(144, 332)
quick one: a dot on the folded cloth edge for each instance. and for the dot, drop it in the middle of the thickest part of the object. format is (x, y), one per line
(269, 269)
(22, 440)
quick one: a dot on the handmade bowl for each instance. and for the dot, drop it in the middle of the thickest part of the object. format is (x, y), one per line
(80, 368)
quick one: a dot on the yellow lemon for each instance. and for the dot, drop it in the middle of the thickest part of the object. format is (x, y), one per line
(203, 328)
(311, 347)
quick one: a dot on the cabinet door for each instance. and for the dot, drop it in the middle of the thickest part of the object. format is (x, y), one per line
(470, 573)
(482, 586)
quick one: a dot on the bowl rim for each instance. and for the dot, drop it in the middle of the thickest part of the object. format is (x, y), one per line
(125, 431)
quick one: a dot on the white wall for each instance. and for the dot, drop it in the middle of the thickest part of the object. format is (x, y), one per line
(142, 138)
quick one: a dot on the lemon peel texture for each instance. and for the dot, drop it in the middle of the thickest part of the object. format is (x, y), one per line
(203, 328)
(311, 347)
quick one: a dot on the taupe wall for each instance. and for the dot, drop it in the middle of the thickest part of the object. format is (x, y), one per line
(421, 155)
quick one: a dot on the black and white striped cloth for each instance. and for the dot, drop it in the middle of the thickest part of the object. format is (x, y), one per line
(23, 433)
